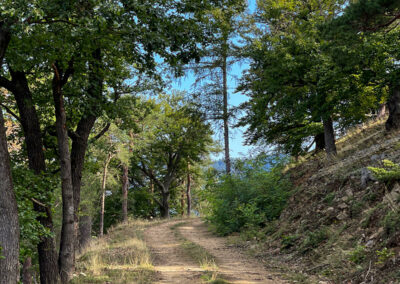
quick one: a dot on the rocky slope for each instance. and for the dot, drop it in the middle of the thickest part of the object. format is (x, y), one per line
(341, 224)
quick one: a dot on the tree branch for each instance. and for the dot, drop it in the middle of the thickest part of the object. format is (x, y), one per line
(7, 84)
(102, 132)
(150, 175)
(10, 112)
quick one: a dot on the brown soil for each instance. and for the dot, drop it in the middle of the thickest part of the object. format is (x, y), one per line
(169, 259)
(174, 266)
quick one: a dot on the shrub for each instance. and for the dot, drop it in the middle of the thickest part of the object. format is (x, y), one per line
(384, 255)
(391, 222)
(389, 172)
(249, 197)
(313, 240)
(288, 241)
(358, 254)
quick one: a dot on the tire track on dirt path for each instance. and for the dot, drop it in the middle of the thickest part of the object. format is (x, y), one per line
(233, 265)
(170, 261)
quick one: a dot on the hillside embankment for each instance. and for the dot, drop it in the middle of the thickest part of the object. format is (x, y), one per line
(341, 224)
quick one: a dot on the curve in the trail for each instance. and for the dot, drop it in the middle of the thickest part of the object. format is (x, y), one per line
(173, 265)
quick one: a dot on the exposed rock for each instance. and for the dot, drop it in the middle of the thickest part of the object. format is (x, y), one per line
(377, 157)
(370, 244)
(349, 192)
(330, 211)
(343, 206)
(342, 216)
(366, 176)
(392, 198)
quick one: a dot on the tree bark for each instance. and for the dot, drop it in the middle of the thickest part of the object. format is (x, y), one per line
(329, 135)
(393, 104)
(67, 243)
(125, 193)
(226, 114)
(320, 141)
(165, 204)
(9, 227)
(27, 271)
(188, 194)
(85, 231)
(47, 252)
(84, 127)
(182, 202)
(103, 194)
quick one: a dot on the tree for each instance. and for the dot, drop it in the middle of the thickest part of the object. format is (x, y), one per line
(212, 71)
(376, 22)
(9, 227)
(297, 90)
(98, 40)
(175, 135)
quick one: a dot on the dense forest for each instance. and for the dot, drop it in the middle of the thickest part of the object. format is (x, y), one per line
(93, 134)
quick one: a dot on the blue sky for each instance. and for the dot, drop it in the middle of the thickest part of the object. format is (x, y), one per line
(236, 134)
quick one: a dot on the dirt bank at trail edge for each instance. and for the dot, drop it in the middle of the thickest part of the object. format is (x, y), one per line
(174, 266)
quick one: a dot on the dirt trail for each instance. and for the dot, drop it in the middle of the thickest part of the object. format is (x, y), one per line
(174, 266)
(169, 259)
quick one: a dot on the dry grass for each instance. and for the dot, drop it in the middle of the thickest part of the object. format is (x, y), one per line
(354, 151)
(119, 257)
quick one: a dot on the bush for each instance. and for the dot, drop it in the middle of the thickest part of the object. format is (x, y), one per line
(249, 197)
(358, 255)
(391, 222)
(313, 240)
(389, 172)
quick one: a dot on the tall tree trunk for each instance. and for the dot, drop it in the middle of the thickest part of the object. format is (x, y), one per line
(78, 151)
(226, 114)
(165, 204)
(153, 210)
(329, 135)
(103, 193)
(33, 139)
(27, 271)
(182, 202)
(188, 194)
(9, 227)
(393, 104)
(85, 231)
(125, 193)
(47, 252)
(67, 243)
(320, 141)
(85, 126)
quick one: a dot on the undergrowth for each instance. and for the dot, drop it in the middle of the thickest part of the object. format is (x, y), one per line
(119, 257)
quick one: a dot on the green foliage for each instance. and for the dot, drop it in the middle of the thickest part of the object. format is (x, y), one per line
(391, 222)
(1, 255)
(31, 188)
(314, 239)
(358, 255)
(289, 241)
(247, 198)
(389, 172)
(297, 78)
(384, 255)
(329, 198)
